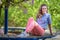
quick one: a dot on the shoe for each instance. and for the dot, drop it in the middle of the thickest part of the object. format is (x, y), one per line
(23, 34)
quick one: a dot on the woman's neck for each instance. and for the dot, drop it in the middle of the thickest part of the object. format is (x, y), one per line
(43, 13)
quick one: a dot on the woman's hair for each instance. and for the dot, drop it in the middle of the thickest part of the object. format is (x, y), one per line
(40, 10)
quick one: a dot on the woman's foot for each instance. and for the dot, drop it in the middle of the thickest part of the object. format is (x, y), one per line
(23, 34)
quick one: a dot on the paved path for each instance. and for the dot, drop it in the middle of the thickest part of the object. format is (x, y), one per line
(54, 38)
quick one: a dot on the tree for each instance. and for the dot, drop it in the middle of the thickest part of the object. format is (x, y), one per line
(18, 15)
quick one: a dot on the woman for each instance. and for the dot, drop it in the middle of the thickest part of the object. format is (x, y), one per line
(39, 26)
(44, 18)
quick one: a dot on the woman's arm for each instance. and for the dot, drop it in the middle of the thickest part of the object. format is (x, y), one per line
(50, 29)
(50, 24)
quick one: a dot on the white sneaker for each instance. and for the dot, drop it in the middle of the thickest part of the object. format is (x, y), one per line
(23, 34)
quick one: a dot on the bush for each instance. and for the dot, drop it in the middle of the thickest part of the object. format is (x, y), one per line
(18, 16)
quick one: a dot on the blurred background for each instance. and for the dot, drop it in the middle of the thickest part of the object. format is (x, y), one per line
(21, 10)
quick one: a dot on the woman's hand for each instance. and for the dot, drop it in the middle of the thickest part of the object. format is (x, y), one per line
(40, 15)
(51, 33)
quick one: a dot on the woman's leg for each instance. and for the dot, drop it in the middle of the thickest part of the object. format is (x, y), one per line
(34, 28)
(38, 30)
(30, 24)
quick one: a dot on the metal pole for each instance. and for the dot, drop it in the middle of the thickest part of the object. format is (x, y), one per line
(6, 17)
(6, 21)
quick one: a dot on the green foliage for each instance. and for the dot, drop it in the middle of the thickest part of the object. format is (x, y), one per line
(17, 17)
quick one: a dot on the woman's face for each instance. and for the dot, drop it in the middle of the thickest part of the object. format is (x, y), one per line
(44, 9)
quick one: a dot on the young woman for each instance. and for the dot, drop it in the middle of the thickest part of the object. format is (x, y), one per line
(38, 27)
